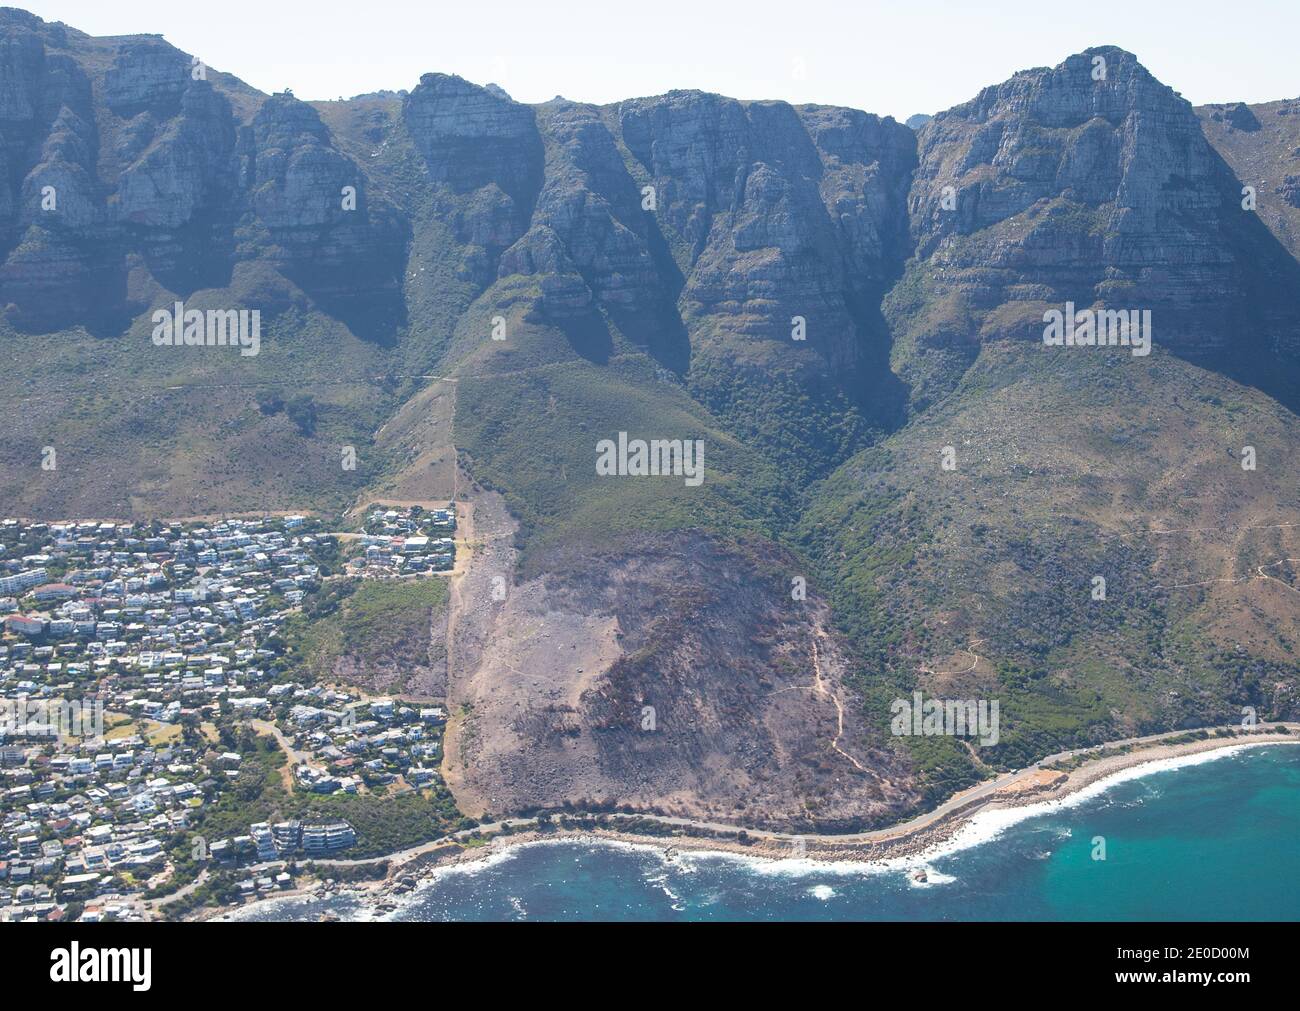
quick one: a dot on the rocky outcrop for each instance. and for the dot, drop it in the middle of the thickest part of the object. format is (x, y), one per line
(326, 232)
(782, 299)
(774, 213)
(472, 137)
(483, 154)
(593, 239)
(180, 168)
(147, 75)
(122, 151)
(1090, 181)
(52, 212)
(1239, 116)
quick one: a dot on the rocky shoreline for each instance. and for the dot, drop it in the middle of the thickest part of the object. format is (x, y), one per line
(904, 848)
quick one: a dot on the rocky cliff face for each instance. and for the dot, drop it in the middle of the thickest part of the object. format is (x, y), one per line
(745, 245)
(776, 212)
(1262, 146)
(483, 155)
(176, 169)
(121, 152)
(748, 246)
(590, 229)
(1090, 182)
(787, 225)
(322, 227)
(47, 139)
(706, 231)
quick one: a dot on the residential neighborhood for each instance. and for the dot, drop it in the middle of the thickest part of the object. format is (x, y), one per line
(405, 542)
(147, 692)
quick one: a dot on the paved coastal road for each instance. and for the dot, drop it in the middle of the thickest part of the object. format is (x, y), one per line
(974, 796)
(970, 798)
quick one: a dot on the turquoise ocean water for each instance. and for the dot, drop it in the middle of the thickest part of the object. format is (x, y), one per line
(1214, 840)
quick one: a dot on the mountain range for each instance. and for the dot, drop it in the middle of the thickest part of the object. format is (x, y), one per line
(846, 311)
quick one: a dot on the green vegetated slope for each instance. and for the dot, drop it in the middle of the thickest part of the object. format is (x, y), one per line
(1071, 464)
(530, 414)
(145, 431)
(375, 633)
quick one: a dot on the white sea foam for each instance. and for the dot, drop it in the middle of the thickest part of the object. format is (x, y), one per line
(984, 826)
(930, 878)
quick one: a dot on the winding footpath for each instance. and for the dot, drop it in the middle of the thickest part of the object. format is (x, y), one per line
(819, 686)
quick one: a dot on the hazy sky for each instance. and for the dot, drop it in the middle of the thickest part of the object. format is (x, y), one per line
(898, 58)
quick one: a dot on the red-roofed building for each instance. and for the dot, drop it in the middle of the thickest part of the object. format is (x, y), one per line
(54, 591)
(21, 624)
